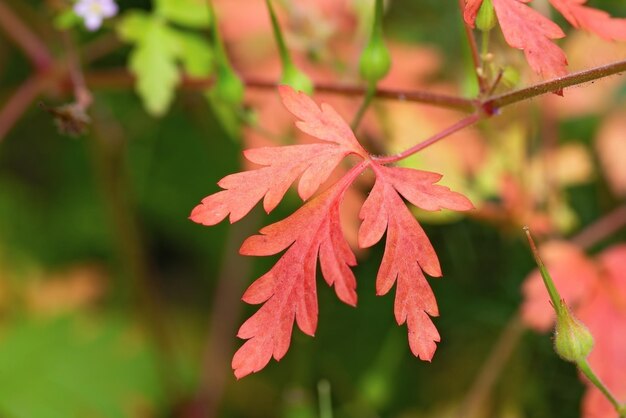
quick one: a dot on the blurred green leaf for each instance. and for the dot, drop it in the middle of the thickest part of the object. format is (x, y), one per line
(195, 54)
(66, 20)
(133, 25)
(66, 369)
(190, 13)
(153, 60)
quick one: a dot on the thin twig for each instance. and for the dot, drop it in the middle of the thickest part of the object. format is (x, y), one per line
(223, 323)
(601, 228)
(17, 104)
(121, 78)
(82, 95)
(490, 105)
(367, 100)
(476, 61)
(107, 154)
(24, 38)
(463, 123)
(492, 367)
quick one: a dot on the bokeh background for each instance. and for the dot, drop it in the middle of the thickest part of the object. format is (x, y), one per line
(114, 304)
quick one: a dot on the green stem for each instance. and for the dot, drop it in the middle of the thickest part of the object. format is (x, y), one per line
(545, 275)
(484, 45)
(325, 402)
(584, 367)
(367, 100)
(285, 57)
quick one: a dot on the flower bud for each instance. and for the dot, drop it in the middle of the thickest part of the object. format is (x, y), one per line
(228, 87)
(486, 17)
(297, 79)
(572, 340)
(375, 59)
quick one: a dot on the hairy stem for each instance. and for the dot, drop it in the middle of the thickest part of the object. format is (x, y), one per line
(585, 369)
(492, 104)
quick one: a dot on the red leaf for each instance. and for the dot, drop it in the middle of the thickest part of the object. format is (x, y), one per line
(526, 29)
(408, 250)
(471, 10)
(312, 163)
(605, 315)
(289, 288)
(597, 21)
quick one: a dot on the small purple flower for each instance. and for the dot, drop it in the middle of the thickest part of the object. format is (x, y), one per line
(94, 12)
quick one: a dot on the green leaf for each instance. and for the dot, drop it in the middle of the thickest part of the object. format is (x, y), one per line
(153, 62)
(133, 26)
(66, 20)
(195, 54)
(63, 369)
(190, 13)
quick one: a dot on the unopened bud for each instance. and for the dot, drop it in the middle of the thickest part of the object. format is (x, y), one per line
(375, 61)
(297, 79)
(486, 17)
(572, 340)
(228, 87)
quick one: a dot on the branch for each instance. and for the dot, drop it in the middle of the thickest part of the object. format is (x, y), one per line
(489, 106)
(17, 104)
(492, 104)
(463, 123)
(476, 62)
(24, 38)
(121, 78)
(601, 228)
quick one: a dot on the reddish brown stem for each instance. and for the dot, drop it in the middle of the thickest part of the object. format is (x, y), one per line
(463, 123)
(492, 104)
(24, 38)
(120, 78)
(602, 228)
(82, 95)
(482, 83)
(17, 104)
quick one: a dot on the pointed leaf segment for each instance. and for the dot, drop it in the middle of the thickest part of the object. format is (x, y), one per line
(528, 30)
(288, 290)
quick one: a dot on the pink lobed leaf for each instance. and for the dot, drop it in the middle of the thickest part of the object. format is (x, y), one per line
(593, 20)
(408, 250)
(288, 290)
(526, 29)
(312, 163)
